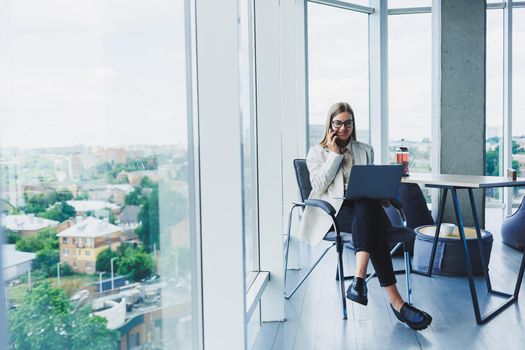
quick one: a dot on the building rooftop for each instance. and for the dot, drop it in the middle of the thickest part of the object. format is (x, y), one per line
(83, 206)
(26, 222)
(90, 228)
(12, 257)
(127, 188)
(130, 214)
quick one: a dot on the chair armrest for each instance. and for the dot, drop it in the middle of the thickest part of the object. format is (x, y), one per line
(323, 205)
(396, 203)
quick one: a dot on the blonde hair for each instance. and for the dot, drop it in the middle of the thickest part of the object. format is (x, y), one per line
(336, 109)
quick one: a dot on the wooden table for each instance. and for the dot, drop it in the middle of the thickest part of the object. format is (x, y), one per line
(469, 182)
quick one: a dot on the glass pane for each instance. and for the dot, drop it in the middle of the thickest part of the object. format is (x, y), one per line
(357, 2)
(518, 104)
(95, 167)
(409, 70)
(249, 151)
(408, 3)
(337, 66)
(494, 101)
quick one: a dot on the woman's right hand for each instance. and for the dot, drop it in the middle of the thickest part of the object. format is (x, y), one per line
(331, 144)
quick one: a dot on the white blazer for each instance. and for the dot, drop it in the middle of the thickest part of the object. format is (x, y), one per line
(326, 177)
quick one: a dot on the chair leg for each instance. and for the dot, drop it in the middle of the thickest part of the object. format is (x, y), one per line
(408, 276)
(288, 296)
(339, 247)
(288, 236)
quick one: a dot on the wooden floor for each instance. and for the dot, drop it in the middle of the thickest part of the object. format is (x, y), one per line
(314, 318)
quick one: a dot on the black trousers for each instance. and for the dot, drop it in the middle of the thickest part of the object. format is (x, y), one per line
(368, 223)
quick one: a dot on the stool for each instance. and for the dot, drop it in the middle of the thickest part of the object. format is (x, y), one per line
(450, 257)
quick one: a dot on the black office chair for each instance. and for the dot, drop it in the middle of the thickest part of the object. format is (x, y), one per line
(400, 235)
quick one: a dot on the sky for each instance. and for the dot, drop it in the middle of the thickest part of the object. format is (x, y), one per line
(338, 67)
(96, 72)
(112, 72)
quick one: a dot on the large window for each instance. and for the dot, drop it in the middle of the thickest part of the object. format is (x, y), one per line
(408, 3)
(249, 140)
(494, 101)
(409, 88)
(95, 148)
(518, 105)
(337, 66)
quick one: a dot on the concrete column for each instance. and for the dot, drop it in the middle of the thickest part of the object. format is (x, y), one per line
(459, 112)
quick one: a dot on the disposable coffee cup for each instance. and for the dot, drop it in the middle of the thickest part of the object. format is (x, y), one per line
(447, 229)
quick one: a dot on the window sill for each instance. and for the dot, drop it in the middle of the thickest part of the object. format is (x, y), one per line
(255, 292)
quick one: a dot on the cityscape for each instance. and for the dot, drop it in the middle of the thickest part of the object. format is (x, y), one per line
(98, 248)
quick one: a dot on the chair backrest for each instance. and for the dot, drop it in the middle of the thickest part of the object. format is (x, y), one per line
(414, 205)
(303, 178)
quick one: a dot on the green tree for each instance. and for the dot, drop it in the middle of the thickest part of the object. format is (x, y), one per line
(60, 212)
(44, 237)
(136, 264)
(29, 244)
(146, 182)
(112, 218)
(516, 148)
(12, 236)
(90, 332)
(63, 195)
(47, 259)
(40, 202)
(41, 322)
(46, 320)
(135, 197)
(148, 231)
(82, 196)
(104, 260)
(35, 204)
(174, 210)
(492, 160)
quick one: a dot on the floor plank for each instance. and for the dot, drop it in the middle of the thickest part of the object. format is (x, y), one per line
(314, 318)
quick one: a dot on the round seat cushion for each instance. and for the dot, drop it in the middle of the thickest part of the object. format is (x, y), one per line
(450, 257)
(513, 228)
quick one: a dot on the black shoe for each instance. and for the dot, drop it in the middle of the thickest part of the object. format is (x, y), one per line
(357, 291)
(413, 317)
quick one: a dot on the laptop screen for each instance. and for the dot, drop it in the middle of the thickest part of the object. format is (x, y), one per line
(374, 181)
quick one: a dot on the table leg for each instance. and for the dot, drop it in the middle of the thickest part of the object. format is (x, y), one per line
(436, 234)
(520, 277)
(511, 298)
(470, 274)
(480, 244)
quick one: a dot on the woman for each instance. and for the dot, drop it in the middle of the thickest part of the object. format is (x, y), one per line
(330, 164)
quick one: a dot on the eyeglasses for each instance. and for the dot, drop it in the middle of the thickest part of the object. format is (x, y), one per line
(336, 124)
